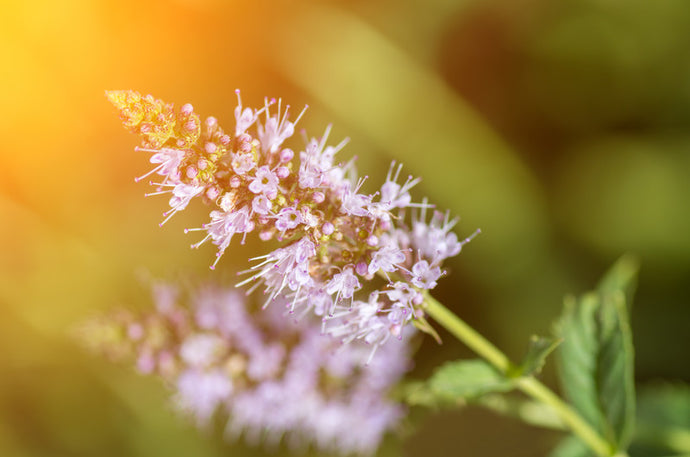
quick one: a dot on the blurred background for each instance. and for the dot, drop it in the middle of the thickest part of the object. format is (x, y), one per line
(561, 129)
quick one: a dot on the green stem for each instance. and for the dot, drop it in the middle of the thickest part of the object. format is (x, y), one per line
(529, 385)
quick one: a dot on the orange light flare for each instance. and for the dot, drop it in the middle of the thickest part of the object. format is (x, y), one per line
(66, 164)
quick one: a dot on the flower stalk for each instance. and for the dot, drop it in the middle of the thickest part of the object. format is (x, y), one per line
(336, 240)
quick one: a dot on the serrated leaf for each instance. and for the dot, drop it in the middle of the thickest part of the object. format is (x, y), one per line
(466, 379)
(622, 276)
(596, 357)
(571, 447)
(616, 377)
(539, 348)
(455, 383)
(578, 357)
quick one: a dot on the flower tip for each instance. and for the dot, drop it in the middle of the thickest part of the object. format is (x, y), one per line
(112, 95)
(120, 98)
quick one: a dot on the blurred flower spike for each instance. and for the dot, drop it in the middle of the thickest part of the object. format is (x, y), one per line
(359, 261)
(272, 382)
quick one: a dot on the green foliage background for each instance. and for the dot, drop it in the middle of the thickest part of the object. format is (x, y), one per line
(561, 129)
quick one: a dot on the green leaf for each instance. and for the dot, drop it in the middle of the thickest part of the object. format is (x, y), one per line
(539, 348)
(596, 357)
(455, 383)
(466, 379)
(571, 447)
(616, 377)
(622, 276)
(418, 393)
(663, 419)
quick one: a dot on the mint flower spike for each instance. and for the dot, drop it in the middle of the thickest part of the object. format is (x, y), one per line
(268, 381)
(359, 261)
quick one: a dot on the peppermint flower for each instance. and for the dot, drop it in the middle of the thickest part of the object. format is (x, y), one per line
(224, 357)
(288, 219)
(424, 275)
(339, 244)
(387, 259)
(343, 284)
(276, 129)
(261, 205)
(199, 393)
(169, 161)
(265, 182)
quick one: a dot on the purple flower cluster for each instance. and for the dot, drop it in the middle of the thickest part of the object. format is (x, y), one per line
(359, 261)
(274, 382)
